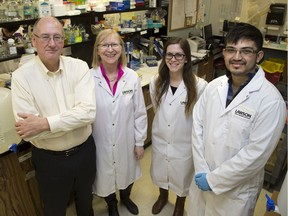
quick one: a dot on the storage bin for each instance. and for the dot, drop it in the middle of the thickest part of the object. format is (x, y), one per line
(273, 68)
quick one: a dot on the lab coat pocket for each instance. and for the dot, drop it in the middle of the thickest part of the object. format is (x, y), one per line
(222, 205)
(127, 95)
(240, 124)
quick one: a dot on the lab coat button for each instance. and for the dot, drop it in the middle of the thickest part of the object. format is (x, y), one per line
(113, 124)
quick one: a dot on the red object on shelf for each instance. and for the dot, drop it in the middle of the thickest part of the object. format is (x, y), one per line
(273, 77)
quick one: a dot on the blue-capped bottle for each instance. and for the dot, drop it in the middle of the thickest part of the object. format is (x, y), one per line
(28, 9)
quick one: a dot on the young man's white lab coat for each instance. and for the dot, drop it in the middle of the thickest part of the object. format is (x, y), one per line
(232, 144)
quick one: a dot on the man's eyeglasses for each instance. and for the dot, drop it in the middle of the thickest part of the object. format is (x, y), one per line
(46, 38)
(112, 45)
(247, 52)
(177, 56)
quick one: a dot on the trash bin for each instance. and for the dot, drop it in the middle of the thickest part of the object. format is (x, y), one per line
(273, 68)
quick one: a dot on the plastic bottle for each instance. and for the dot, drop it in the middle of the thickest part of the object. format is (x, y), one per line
(19, 43)
(3, 48)
(144, 22)
(12, 11)
(44, 8)
(28, 9)
(12, 47)
(139, 23)
(35, 9)
(27, 42)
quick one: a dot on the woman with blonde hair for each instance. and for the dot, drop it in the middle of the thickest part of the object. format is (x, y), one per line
(120, 127)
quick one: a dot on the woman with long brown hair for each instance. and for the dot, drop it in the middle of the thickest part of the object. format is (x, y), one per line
(174, 91)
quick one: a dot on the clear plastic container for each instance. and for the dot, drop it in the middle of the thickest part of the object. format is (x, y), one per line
(8, 135)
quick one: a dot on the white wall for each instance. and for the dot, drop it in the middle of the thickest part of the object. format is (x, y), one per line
(216, 11)
(251, 11)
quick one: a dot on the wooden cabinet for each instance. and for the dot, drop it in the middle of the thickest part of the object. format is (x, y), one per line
(277, 163)
(19, 194)
(204, 68)
(150, 113)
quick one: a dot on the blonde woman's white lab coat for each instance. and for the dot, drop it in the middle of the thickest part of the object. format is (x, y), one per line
(172, 163)
(120, 125)
(232, 145)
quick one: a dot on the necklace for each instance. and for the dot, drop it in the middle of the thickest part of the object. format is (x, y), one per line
(112, 80)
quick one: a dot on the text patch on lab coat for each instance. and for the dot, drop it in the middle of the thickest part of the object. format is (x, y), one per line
(127, 90)
(244, 113)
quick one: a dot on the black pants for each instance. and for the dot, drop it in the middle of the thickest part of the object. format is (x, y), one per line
(60, 175)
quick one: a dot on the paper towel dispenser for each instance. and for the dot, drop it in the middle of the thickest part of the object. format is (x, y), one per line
(276, 14)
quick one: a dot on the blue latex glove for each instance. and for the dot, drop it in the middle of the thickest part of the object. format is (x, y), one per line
(270, 205)
(201, 181)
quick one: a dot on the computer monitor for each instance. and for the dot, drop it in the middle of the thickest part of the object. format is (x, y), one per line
(207, 33)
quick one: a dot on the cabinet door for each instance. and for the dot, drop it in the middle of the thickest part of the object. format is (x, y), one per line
(150, 113)
(19, 189)
(205, 68)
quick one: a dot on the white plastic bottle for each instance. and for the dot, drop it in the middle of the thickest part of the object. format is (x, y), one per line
(12, 47)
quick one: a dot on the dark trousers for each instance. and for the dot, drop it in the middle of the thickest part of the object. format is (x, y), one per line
(60, 175)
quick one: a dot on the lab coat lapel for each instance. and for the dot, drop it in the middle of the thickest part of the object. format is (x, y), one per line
(181, 88)
(100, 81)
(222, 91)
(240, 98)
(252, 86)
(120, 85)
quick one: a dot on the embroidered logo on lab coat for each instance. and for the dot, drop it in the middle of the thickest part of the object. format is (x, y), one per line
(183, 101)
(244, 112)
(127, 91)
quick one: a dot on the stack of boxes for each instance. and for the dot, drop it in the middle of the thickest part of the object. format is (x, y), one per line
(119, 5)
